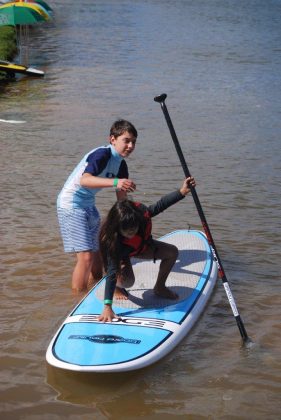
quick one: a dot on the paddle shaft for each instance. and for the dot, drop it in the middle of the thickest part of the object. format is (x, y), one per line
(161, 99)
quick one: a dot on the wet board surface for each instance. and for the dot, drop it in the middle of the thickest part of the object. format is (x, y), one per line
(148, 327)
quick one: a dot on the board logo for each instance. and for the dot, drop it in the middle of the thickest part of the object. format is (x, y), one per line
(105, 339)
(144, 322)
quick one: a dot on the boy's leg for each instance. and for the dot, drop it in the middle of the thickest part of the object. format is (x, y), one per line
(92, 228)
(80, 230)
(96, 270)
(168, 254)
(82, 270)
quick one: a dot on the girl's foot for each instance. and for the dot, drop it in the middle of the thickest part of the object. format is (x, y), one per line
(120, 293)
(166, 293)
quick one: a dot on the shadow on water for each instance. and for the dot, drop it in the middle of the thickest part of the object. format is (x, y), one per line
(101, 389)
(89, 388)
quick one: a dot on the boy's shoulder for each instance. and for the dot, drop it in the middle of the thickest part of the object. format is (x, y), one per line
(99, 153)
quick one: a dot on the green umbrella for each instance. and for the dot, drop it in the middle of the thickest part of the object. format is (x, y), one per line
(14, 15)
(28, 5)
(43, 3)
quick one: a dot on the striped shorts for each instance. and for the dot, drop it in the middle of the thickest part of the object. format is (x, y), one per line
(79, 229)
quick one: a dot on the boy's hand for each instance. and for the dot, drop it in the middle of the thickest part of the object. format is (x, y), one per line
(126, 185)
(107, 314)
(185, 189)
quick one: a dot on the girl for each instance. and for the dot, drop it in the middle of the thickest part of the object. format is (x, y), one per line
(126, 232)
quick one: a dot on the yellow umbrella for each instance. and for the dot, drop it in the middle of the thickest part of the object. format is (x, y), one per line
(16, 11)
(41, 2)
(32, 6)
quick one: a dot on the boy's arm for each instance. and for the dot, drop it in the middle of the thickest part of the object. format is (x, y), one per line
(123, 173)
(96, 163)
(91, 181)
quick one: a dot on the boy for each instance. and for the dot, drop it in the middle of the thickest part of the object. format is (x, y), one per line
(79, 219)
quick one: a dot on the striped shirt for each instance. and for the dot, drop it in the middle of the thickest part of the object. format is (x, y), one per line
(104, 162)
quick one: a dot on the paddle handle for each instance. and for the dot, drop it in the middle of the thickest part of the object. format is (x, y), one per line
(161, 99)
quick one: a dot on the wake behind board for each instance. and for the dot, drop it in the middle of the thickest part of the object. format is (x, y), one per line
(148, 327)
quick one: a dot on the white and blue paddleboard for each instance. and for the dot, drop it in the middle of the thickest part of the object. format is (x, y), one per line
(148, 327)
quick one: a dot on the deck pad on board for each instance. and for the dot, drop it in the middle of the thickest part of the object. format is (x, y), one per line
(182, 279)
(148, 327)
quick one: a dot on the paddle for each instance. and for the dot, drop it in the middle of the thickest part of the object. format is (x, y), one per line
(161, 100)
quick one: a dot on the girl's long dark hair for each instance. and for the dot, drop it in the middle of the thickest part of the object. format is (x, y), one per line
(124, 215)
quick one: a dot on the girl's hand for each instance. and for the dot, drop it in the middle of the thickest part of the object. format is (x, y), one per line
(185, 189)
(127, 185)
(107, 314)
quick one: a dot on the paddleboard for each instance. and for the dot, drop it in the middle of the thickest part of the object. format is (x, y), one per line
(18, 68)
(148, 327)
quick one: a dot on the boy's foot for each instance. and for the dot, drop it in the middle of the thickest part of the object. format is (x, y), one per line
(79, 293)
(120, 293)
(166, 293)
(91, 283)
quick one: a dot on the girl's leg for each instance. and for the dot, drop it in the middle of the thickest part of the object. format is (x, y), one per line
(125, 279)
(82, 270)
(168, 254)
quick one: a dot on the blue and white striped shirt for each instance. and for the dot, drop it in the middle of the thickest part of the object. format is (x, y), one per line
(104, 162)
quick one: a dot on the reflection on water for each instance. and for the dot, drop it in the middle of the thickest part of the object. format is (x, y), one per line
(220, 66)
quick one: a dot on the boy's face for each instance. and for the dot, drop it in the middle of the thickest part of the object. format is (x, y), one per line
(124, 144)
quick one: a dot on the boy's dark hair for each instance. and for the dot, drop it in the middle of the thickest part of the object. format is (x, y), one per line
(119, 127)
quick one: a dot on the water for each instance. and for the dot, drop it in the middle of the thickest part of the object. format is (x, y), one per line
(219, 63)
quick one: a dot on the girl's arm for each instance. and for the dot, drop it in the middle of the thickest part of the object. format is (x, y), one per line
(185, 188)
(107, 314)
(121, 195)
(171, 198)
(110, 284)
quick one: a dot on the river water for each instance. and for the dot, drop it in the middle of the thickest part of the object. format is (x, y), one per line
(219, 62)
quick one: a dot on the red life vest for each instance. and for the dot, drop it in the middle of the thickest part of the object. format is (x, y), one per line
(137, 242)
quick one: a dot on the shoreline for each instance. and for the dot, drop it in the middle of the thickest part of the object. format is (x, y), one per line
(8, 47)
